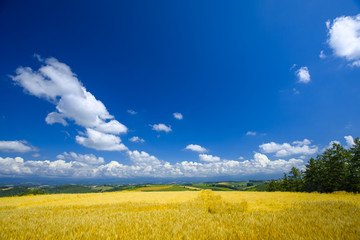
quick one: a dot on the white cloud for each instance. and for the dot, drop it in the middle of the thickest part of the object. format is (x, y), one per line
(196, 148)
(355, 63)
(136, 139)
(303, 75)
(344, 37)
(328, 23)
(208, 158)
(333, 142)
(260, 160)
(322, 54)
(286, 149)
(250, 133)
(55, 117)
(293, 66)
(60, 156)
(85, 158)
(68, 165)
(100, 141)
(55, 82)
(331, 145)
(349, 141)
(144, 165)
(113, 127)
(178, 116)
(144, 159)
(132, 112)
(161, 127)
(13, 167)
(16, 146)
(303, 142)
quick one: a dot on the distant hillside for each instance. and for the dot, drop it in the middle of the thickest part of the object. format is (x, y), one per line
(252, 185)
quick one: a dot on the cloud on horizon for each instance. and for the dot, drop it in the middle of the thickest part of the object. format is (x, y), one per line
(142, 165)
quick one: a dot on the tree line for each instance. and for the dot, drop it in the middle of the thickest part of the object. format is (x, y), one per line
(336, 169)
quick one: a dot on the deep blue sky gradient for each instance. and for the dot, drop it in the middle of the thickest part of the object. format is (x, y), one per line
(225, 65)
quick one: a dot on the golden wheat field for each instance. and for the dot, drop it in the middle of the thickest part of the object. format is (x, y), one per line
(181, 215)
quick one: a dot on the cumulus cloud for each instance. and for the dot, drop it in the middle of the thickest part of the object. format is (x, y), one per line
(196, 148)
(287, 149)
(144, 159)
(100, 141)
(144, 165)
(178, 116)
(55, 82)
(132, 112)
(13, 166)
(344, 37)
(136, 139)
(85, 158)
(16, 146)
(250, 133)
(161, 128)
(260, 160)
(208, 158)
(349, 141)
(331, 144)
(303, 75)
(55, 117)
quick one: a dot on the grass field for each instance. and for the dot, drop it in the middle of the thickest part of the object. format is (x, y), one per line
(181, 215)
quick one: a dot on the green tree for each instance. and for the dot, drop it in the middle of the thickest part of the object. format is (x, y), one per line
(333, 175)
(313, 175)
(295, 180)
(284, 183)
(273, 186)
(289, 183)
(353, 166)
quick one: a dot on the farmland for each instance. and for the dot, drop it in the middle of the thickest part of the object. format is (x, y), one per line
(22, 190)
(181, 215)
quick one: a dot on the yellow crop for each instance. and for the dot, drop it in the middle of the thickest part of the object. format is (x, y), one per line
(153, 188)
(181, 215)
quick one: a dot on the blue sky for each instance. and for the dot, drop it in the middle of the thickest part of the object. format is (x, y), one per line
(89, 89)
